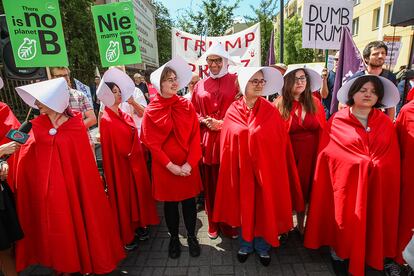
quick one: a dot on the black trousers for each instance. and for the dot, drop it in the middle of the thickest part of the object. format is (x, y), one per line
(172, 216)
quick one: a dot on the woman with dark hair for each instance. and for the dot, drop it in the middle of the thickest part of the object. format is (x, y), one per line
(258, 185)
(170, 130)
(305, 120)
(125, 170)
(355, 198)
(61, 203)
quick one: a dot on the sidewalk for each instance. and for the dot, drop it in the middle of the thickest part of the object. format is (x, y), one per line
(218, 257)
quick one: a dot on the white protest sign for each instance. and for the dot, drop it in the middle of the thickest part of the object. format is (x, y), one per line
(244, 44)
(323, 21)
(393, 50)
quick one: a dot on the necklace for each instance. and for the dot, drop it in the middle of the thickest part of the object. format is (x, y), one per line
(53, 130)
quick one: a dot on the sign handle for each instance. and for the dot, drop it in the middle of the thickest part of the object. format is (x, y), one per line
(326, 58)
(49, 75)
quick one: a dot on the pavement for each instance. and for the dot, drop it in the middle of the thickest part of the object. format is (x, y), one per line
(218, 257)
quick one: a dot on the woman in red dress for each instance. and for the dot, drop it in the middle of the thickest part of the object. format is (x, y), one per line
(170, 130)
(257, 176)
(62, 206)
(405, 131)
(305, 120)
(125, 169)
(355, 198)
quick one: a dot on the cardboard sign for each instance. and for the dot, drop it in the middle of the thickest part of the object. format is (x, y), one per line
(394, 47)
(244, 44)
(323, 21)
(36, 33)
(116, 34)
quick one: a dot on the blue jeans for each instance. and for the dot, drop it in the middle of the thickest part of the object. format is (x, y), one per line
(258, 244)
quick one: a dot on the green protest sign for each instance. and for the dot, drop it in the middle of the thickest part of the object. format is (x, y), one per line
(36, 33)
(116, 33)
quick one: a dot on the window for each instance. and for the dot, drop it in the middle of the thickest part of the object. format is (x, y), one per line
(388, 13)
(355, 26)
(356, 2)
(375, 19)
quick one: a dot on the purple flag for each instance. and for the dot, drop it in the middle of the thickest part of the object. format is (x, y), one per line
(271, 52)
(350, 62)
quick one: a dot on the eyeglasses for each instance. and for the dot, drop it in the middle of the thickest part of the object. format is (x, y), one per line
(61, 76)
(301, 79)
(171, 80)
(256, 82)
(336, 59)
(193, 83)
(216, 61)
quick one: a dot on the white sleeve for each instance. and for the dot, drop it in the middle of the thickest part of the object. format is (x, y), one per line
(139, 97)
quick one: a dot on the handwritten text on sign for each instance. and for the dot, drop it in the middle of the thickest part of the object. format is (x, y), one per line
(323, 21)
(244, 44)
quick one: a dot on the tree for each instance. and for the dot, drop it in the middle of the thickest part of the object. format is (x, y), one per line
(80, 38)
(264, 14)
(294, 53)
(164, 24)
(213, 14)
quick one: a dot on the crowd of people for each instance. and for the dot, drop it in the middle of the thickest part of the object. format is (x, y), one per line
(256, 159)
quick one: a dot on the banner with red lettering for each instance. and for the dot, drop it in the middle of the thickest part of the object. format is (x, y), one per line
(244, 44)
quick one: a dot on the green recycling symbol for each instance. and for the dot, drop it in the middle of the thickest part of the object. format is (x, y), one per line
(27, 50)
(112, 52)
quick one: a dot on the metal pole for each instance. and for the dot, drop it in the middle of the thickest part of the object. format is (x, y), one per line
(282, 8)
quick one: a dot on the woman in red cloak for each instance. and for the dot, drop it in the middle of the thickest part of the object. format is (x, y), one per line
(170, 130)
(125, 169)
(10, 230)
(405, 131)
(355, 198)
(257, 179)
(61, 203)
(305, 120)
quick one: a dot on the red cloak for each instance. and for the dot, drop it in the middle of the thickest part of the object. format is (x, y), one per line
(170, 130)
(257, 176)
(126, 174)
(7, 122)
(405, 131)
(62, 206)
(355, 197)
(305, 141)
(212, 97)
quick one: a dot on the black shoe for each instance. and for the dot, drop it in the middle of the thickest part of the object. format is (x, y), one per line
(142, 233)
(339, 267)
(174, 248)
(131, 246)
(391, 268)
(265, 259)
(193, 246)
(283, 239)
(242, 257)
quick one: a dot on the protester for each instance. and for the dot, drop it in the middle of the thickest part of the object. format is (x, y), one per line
(305, 120)
(10, 230)
(408, 77)
(355, 198)
(405, 130)
(328, 82)
(95, 100)
(170, 130)
(125, 170)
(212, 97)
(281, 67)
(152, 92)
(257, 171)
(139, 82)
(61, 203)
(374, 56)
(190, 88)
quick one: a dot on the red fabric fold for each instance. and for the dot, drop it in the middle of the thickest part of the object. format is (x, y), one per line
(62, 206)
(405, 131)
(170, 130)
(355, 197)
(126, 174)
(256, 180)
(212, 97)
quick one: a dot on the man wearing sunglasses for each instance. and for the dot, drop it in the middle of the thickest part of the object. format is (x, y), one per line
(211, 98)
